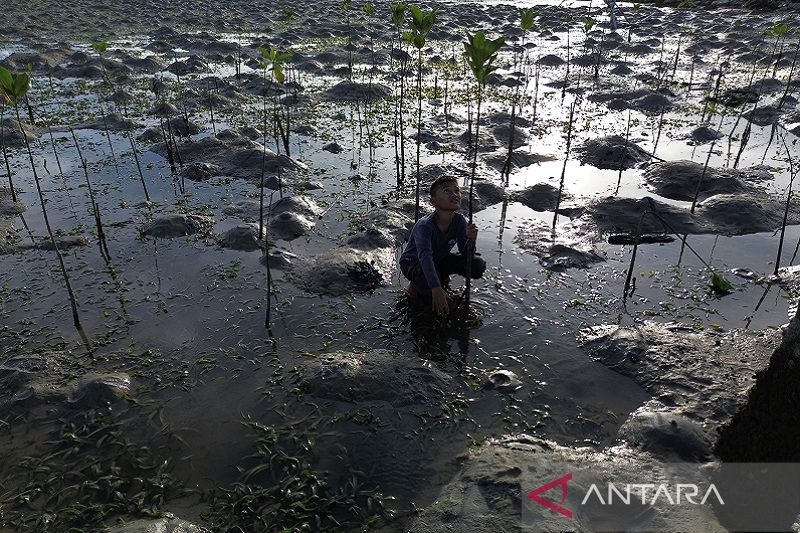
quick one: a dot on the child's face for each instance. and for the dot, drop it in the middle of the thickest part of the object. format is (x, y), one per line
(447, 196)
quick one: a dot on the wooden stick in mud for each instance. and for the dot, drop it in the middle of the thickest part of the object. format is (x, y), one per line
(101, 236)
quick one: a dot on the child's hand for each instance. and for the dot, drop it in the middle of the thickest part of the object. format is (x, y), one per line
(472, 232)
(439, 301)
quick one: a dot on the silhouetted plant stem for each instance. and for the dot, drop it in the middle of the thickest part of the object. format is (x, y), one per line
(5, 153)
(138, 165)
(101, 236)
(705, 169)
(792, 175)
(75, 318)
(564, 168)
(624, 153)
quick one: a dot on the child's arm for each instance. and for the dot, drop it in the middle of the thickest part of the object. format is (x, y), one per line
(422, 238)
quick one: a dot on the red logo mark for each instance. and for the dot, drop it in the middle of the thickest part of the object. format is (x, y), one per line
(562, 481)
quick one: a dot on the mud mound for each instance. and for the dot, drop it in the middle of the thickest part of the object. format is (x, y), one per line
(375, 376)
(666, 435)
(678, 180)
(568, 250)
(351, 91)
(736, 214)
(242, 237)
(611, 152)
(701, 134)
(704, 377)
(14, 135)
(343, 271)
(287, 225)
(497, 160)
(539, 197)
(236, 154)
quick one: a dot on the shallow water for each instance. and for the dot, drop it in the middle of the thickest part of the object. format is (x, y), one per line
(196, 311)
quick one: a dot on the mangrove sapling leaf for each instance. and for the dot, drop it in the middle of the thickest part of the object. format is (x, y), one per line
(527, 17)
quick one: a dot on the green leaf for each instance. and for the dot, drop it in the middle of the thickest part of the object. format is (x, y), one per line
(398, 14)
(527, 17)
(720, 284)
(21, 84)
(277, 71)
(369, 9)
(588, 23)
(6, 79)
(100, 46)
(481, 54)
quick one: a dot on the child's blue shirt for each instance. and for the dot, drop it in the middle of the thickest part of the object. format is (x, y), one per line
(428, 245)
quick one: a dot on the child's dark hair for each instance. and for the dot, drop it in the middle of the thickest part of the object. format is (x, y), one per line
(441, 180)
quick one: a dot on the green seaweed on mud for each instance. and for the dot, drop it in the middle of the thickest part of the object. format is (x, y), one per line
(89, 474)
(279, 489)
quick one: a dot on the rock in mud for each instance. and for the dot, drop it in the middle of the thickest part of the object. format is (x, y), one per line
(13, 134)
(551, 60)
(200, 171)
(176, 225)
(242, 237)
(98, 390)
(279, 259)
(352, 91)
(763, 115)
(568, 251)
(376, 376)
(539, 197)
(666, 435)
(612, 152)
(678, 180)
(343, 271)
(502, 380)
(370, 239)
(287, 225)
(703, 377)
(489, 491)
(701, 134)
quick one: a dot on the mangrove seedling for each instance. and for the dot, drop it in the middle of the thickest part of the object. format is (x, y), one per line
(527, 17)
(398, 20)
(101, 236)
(13, 89)
(480, 54)
(421, 23)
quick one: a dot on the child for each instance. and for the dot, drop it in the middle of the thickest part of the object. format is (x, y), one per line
(427, 261)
